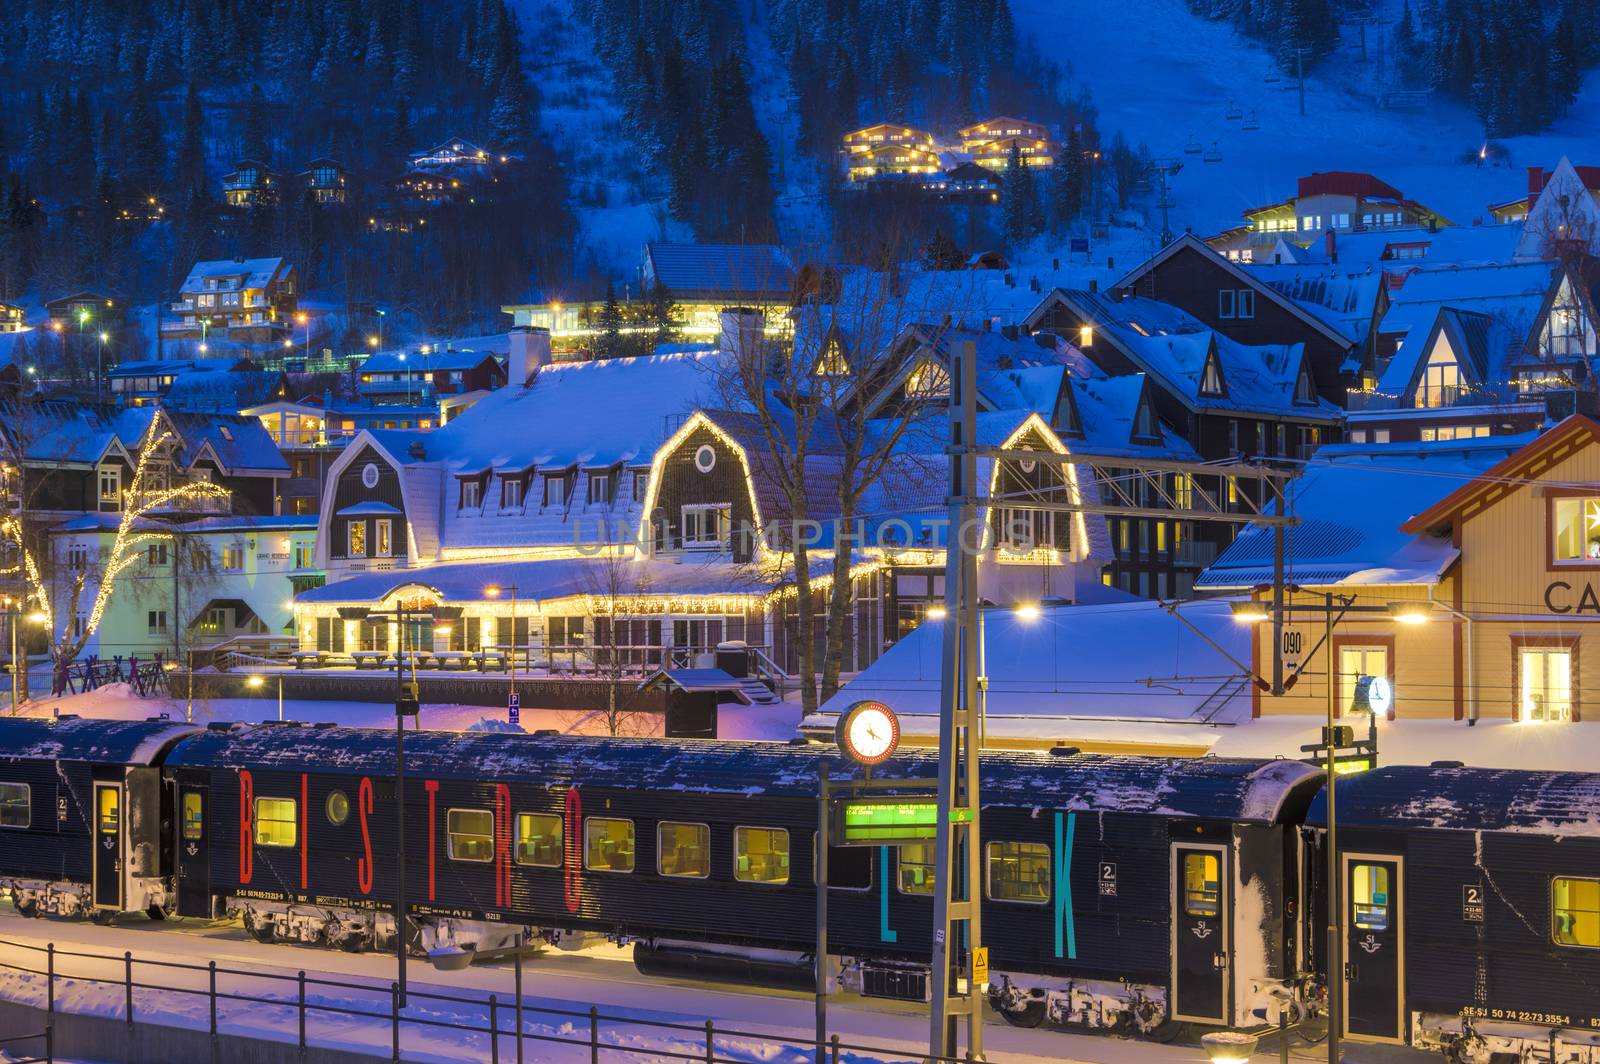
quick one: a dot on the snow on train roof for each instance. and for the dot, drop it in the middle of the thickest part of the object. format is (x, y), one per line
(136, 742)
(1213, 788)
(1450, 798)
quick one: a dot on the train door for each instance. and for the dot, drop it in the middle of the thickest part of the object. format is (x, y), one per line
(1374, 948)
(194, 866)
(108, 845)
(1200, 908)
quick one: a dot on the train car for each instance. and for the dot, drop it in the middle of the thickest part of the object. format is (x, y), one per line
(84, 816)
(1470, 910)
(1120, 892)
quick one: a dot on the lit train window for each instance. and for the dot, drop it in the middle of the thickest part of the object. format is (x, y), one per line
(608, 844)
(539, 840)
(761, 855)
(338, 807)
(683, 849)
(1575, 912)
(916, 868)
(110, 814)
(194, 818)
(1202, 884)
(1369, 896)
(1019, 871)
(276, 822)
(471, 834)
(16, 809)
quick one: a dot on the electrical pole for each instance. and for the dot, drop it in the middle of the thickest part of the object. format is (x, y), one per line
(957, 923)
(1336, 980)
(1300, 72)
(1166, 168)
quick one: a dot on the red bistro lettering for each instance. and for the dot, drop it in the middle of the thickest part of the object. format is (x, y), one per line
(432, 787)
(247, 792)
(364, 864)
(502, 845)
(305, 825)
(571, 885)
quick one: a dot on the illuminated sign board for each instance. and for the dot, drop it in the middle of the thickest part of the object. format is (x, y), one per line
(886, 822)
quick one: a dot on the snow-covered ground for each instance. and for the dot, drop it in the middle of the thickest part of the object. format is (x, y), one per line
(601, 976)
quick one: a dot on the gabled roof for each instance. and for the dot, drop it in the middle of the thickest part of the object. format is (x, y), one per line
(1564, 203)
(1346, 300)
(244, 273)
(735, 271)
(1106, 409)
(1512, 293)
(1192, 243)
(416, 362)
(1557, 444)
(1482, 344)
(79, 297)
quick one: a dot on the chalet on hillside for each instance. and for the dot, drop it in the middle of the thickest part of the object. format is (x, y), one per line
(85, 310)
(883, 134)
(324, 181)
(241, 299)
(1341, 201)
(250, 184)
(1239, 304)
(401, 376)
(975, 136)
(12, 318)
(996, 154)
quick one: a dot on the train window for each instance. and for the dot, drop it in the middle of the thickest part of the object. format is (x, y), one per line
(683, 849)
(110, 811)
(761, 855)
(916, 868)
(1575, 912)
(471, 834)
(1019, 871)
(16, 807)
(1369, 896)
(539, 840)
(1202, 884)
(849, 867)
(608, 844)
(338, 807)
(194, 815)
(276, 822)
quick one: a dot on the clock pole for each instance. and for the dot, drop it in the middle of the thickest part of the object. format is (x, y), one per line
(957, 921)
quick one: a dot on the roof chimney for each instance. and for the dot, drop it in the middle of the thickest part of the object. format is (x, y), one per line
(741, 331)
(1535, 180)
(528, 351)
(1330, 241)
(1094, 285)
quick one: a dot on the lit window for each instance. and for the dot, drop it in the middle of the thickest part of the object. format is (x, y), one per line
(233, 558)
(1369, 896)
(109, 811)
(761, 855)
(16, 806)
(194, 820)
(1577, 529)
(1575, 912)
(337, 807)
(1202, 884)
(916, 868)
(384, 529)
(608, 844)
(706, 525)
(358, 539)
(928, 380)
(683, 849)
(1545, 682)
(539, 840)
(1355, 665)
(471, 834)
(1019, 871)
(276, 822)
(110, 484)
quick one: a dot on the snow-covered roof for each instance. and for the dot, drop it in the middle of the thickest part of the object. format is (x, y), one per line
(1337, 542)
(416, 362)
(1106, 409)
(1446, 796)
(71, 738)
(1094, 662)
(1345, 300)
(1209, 788)
(1482, 343)
(234, 274)
(552, 578)
(1513, 293)
(1460, 244)
(737, 271)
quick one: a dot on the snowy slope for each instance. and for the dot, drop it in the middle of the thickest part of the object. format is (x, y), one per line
(1160, 74)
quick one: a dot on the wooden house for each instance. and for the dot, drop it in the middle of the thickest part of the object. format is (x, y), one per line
(250, 184)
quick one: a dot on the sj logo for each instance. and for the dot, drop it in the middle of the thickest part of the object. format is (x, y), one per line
(1202, 931)
(1370, 943)
(109, 843)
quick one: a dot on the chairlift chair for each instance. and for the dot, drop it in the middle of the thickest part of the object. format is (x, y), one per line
(1192, 147)
(1234, 112)
(1250, 121)
(1273, 77)
(1214, 155)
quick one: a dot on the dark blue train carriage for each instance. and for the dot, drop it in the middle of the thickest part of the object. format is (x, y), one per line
(1119, 890)
(1471, 908)
(83, 814)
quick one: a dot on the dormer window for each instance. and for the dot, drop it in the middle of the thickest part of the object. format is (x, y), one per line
(928, 380)
(600, 488)
(510, 493)
(470, 495)
(1441, 378)
(1211, 377)
(706, 526)
(555, 491)
(1303, 391)
(1144, 420)
(832, 362)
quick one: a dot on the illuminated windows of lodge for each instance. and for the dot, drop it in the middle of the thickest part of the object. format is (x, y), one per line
(1576, 528)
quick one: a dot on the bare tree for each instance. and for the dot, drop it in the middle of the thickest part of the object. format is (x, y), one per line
(835, 411)
(618, 590)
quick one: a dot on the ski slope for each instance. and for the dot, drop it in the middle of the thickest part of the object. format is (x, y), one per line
(1159, 74)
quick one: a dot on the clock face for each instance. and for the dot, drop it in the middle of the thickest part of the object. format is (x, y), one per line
(869, 732)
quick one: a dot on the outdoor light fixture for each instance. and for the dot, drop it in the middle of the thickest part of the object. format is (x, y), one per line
(492, 591)
(37, 617)
(1248, 612)
(256, 681)
(1028, 611)
(1228, 1047)
(1411, 612)
(936, 613)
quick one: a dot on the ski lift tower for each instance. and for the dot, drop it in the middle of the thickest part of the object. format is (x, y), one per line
(1164, 169)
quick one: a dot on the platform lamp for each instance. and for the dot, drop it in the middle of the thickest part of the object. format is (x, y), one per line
(494, 591)
(256, 682)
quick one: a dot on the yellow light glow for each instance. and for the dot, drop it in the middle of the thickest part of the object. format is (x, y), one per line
(256, 681)
(1027, 612)
(492, 591)
(936, 613)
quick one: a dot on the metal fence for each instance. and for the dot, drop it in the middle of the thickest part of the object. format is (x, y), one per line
(504, 1029)
(45, 1037)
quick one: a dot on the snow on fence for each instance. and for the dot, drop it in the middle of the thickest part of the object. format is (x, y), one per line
(429, 1027)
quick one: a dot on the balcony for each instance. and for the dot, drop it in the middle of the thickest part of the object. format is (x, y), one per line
(1441, 397)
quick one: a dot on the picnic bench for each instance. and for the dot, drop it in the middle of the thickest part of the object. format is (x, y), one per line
(453, 659)
(309, 659)
(371, 659)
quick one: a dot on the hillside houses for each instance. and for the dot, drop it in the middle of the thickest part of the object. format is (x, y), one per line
(237, 299)
(886, 153)
(1336, 201)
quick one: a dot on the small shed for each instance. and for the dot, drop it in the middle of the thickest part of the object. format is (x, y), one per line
(692, 698)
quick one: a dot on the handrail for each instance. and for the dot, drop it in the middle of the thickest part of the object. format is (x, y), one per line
(706, 1033)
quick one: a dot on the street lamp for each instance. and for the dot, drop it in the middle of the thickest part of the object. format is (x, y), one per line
(494, 591)
(257, 682)
(100, 364)
(19, 666)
